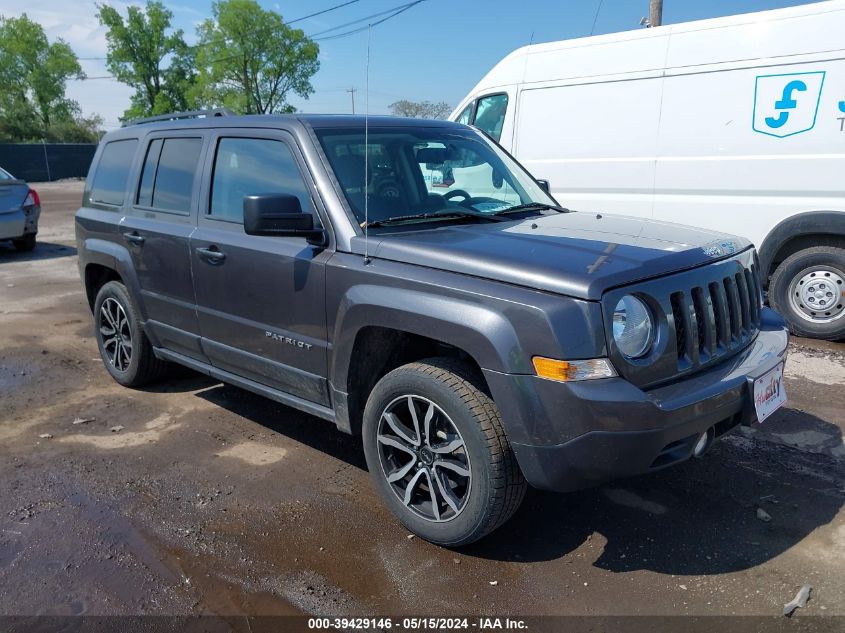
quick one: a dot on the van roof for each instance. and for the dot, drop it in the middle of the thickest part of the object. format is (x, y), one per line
(742, 37)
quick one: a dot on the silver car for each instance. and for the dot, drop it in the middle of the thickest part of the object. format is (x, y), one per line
(20, 208)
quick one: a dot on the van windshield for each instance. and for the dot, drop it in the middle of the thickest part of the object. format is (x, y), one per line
(425, 170)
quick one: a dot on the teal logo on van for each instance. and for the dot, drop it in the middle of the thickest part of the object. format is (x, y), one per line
(785, 105)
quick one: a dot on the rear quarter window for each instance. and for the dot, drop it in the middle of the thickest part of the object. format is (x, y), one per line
(112, 175)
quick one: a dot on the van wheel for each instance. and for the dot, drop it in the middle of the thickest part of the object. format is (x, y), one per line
(25, 244)
(124, 348)
(808, 290)
(438, 454)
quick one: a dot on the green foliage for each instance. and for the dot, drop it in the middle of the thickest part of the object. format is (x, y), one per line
(145, 53)
(33, 76)
(421, 109)
(249, 60)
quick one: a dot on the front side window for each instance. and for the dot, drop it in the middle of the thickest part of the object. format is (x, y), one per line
(250, 166)
(490, 114)
(112, 173)
(425, 170)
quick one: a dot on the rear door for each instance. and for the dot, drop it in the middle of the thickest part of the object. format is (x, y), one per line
(261, 300)
(156, 231)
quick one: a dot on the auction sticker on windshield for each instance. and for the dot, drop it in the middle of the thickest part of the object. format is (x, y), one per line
(769, 392)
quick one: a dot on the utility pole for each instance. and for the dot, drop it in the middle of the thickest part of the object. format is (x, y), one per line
(655, 13)
(352, 92)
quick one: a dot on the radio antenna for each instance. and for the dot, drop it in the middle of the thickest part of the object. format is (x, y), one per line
(367, 150)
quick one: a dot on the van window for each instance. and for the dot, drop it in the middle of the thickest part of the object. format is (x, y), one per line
(465, 115)
(490, 114)
(248, 166)
(113, 172)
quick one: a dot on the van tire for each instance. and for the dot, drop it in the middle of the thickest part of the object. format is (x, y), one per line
(497, 486)
(142, 367)
(786, 297)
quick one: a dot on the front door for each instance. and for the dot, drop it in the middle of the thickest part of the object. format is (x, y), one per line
(260, 300)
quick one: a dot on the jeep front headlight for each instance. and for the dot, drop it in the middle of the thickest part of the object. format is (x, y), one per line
(633, 327)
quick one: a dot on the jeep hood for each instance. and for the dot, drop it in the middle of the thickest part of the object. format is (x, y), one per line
(575, 254)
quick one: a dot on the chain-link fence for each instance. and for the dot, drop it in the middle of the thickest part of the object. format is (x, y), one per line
(49, 161)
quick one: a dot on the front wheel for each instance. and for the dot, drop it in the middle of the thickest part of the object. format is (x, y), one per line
(438, 454)
(808, 290)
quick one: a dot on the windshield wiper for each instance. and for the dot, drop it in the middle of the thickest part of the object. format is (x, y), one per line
(532, 206)
(455, 214)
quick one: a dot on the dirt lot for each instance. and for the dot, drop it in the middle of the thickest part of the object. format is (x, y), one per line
(210, 500)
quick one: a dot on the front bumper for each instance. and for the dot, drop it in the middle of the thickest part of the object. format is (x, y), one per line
(568, 436)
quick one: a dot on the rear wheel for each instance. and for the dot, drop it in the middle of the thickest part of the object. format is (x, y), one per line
(26, 243)
(438, 453)
(808, 290)
(124, 348)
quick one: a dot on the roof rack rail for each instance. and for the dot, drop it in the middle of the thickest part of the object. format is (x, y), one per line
(173, 116)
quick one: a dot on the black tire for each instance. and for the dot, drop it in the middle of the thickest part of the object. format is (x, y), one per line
(829, 261)
(497, 485)
(25, 244)
(142, 367)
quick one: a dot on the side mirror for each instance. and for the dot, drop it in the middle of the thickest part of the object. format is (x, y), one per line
(279, 215)
(545, 186)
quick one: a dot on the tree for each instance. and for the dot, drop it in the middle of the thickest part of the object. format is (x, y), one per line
(145, 53)
(249, 60)
(34, 75)
(421, 109)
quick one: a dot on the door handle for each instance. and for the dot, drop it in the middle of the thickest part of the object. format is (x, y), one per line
(212, 255)
(134, 238)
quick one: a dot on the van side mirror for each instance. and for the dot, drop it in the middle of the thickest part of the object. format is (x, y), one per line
(545, 186)
(279, 215)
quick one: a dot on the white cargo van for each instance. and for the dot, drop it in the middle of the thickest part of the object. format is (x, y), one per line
(736, 124)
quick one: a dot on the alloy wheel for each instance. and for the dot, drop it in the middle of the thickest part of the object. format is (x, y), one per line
(424, 458)
(116, 334)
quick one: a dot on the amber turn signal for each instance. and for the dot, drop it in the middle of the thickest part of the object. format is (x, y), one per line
(571, 370)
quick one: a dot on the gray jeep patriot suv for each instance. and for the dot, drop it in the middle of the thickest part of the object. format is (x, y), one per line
(410, 282)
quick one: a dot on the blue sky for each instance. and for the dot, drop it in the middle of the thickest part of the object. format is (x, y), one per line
(437, 50)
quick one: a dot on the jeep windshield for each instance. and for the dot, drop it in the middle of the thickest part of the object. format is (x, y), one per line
(422, 174)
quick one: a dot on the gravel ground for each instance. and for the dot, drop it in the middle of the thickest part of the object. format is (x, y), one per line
(211, 500)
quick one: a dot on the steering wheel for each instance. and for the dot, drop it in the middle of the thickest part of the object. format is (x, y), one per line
(455, 193)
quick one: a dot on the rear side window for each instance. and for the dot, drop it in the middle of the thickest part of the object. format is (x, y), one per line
(490, 114)
(167, 181)
(113, 172)
(249, 166)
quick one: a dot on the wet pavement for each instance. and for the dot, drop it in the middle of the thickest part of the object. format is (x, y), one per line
(211, 500)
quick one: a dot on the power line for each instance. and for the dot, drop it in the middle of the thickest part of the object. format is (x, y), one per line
(595, 18)
(364, 28)
(311, 15)
(359, 20)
